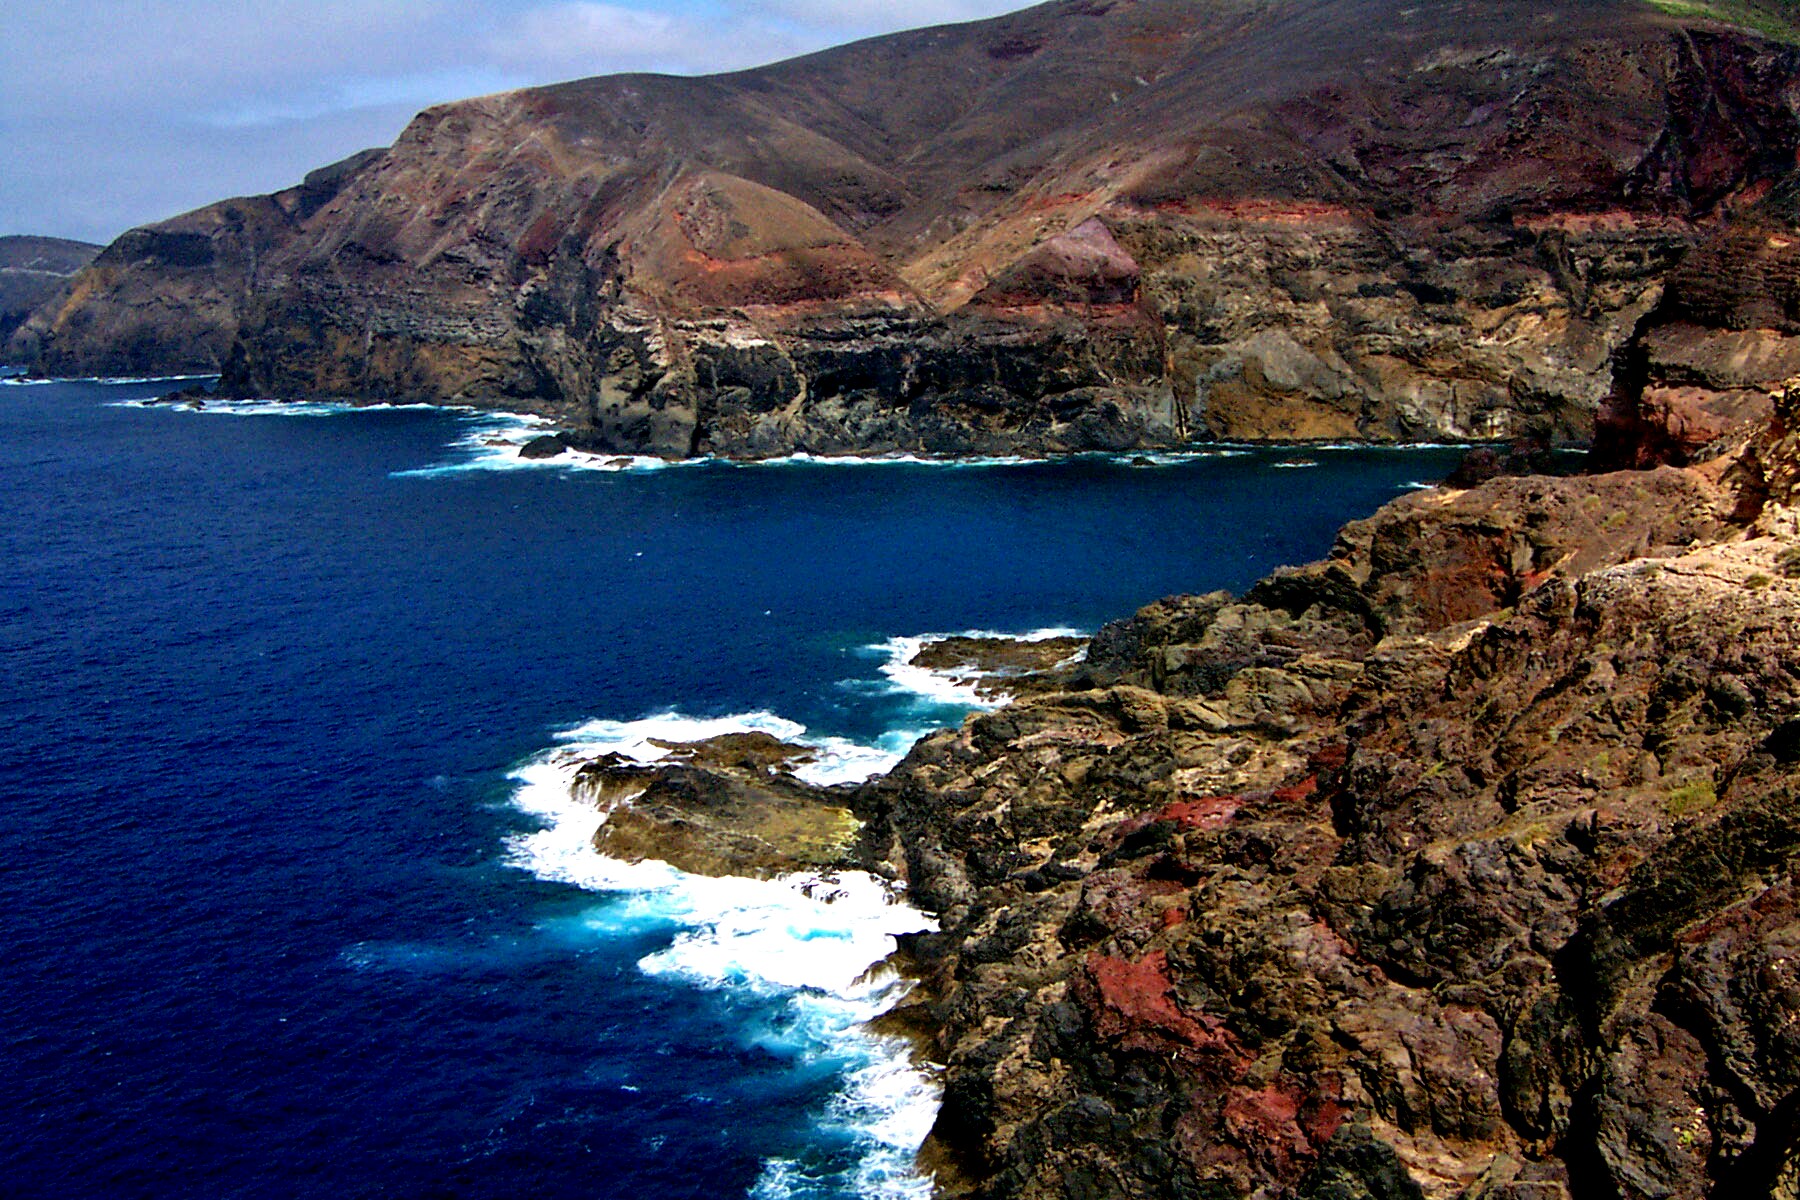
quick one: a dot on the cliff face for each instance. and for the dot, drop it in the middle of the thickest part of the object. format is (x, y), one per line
(1457, 865)
(169, 298)
(1461, 864)
(32, 269)
(1086, 225)
(1704, 362)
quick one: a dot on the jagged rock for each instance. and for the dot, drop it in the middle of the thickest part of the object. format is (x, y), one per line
(728, 805)
(1458, 865)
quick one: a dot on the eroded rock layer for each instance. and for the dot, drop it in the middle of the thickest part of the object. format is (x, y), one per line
(1088, 225)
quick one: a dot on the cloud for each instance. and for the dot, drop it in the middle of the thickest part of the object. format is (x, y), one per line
(857, 17)
(119, 112)
(587, 38)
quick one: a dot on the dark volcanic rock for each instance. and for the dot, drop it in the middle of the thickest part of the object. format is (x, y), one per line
(1077, 227)
(1458, 865)
(725, 806)
(548, 446)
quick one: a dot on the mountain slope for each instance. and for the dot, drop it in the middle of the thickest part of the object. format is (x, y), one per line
(1085, 225)
(31, 270)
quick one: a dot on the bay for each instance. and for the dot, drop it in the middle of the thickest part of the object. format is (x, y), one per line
(266, 683)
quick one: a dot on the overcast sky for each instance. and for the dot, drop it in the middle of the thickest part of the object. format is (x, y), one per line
(114, 113)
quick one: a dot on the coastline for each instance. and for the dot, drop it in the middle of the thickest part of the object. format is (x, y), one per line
(763, 933)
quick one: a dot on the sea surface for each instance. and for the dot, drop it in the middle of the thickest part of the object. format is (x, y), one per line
(295, 900)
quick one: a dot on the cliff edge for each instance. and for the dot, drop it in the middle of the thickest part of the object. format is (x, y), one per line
(1093, 224)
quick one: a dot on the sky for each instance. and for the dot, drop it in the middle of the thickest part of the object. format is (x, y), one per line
(116, 113)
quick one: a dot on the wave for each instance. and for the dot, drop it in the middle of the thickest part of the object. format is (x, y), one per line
(499, 449)
(962, 687)
(498, 439)
(1403, 447)
(277, 408)
(103, 380)
(1142, 458)
(812, 942)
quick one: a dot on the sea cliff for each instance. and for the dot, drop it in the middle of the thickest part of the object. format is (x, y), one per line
(1084, 226)
(1457, 864)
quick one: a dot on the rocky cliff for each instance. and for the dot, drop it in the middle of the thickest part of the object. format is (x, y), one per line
(1461, 864)
(1091, 224)
(32, 270)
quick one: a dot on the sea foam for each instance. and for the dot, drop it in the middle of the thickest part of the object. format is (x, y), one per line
(103, 380)
(961, 688)
(214, 406)
(498, 447)
(812, 942)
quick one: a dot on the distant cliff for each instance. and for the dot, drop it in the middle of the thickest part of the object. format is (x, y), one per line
(32, 270)
(1086, 225)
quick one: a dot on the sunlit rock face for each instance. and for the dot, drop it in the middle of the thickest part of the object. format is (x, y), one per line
(1082, 226)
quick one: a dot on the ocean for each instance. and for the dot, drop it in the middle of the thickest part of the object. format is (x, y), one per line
(298, 903)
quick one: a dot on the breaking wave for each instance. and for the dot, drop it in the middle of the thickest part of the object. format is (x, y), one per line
(812, 943)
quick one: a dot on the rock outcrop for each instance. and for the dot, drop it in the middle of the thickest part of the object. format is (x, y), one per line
(1392, 878)
(1459, 864)
(32, 270)
(1088, 225)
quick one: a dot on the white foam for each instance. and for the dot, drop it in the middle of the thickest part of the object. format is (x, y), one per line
(1155, 458)
(500, 450)
(263, 408)
(497, 441)
(1402, 446)
(812, 941)
(835, 760)
(112, 380)
(963, 686)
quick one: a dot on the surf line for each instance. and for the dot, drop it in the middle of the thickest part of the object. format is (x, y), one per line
(817, 942)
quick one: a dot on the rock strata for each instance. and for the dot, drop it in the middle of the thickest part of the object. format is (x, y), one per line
(1084, 226)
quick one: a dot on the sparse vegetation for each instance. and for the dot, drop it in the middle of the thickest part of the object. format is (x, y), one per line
(1770, 18)
(1691, 798)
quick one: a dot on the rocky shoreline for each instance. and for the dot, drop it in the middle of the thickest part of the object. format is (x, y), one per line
(1455, 865)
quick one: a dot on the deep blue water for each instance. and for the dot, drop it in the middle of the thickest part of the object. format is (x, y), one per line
(259, 692)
